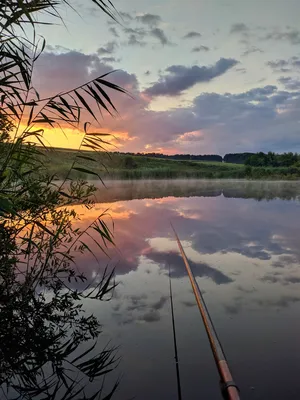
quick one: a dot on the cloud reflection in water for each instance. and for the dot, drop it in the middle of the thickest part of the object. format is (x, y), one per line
(245, 252)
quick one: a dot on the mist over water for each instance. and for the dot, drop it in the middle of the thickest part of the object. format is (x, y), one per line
(242, 240)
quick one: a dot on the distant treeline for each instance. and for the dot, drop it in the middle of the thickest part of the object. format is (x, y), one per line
(253, 159)
(237, 158)
(273, 160)
(205, 157)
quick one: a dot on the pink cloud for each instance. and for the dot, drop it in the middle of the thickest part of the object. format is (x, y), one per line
(213, 123)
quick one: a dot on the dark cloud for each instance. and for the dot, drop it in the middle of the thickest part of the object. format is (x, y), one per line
(57, 49)
(178, 269)
(239, 28)
(192, 35)
(252, 50)
(149, 19)
(134, 41)
(258, 94)
(160, 35)
(290, 83)
(151, 316)
(200, 48)
(252, 252)
(159, 303)
(284, 261)
(128, 320)
(126, 16)
(278, 64)
(246, 289)
(283, 301)
(291, 279)
(279, 277)
(137, 302)
(140, 303)
(180, 78)
(290, 35)
(241, 70)
(232, 308)
(147, 73)
(188, 303)
(292, 63)
(108, 49)
(109, 59)
(295, 61)
(116, 307)
(139, 32)
(114, 32)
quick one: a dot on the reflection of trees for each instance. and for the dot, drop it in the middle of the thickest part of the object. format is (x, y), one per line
(259, 190)
(42, 323)
(263, 190)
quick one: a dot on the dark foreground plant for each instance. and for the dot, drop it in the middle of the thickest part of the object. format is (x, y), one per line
(47, 341)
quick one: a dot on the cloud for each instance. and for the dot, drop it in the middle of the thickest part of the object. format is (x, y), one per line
(57, 49)
(137, 302)
(187, 303)
(290, 35)
(279, 64)
(134, 41)
(290, 83)
(140, 32)
(180, 78)
(200, 48)
(283, 301)
(147, 73)
(253, 120)
(160, 35)
(246, 289)
(252, 50)
(109, 59)
(149, 19)
(291, 279)
(257, 94)
(178, 270)
(114, 32)
(241, 70)
(151, 316)
(192, 35)
(108, 49)
(232, 308)
(126, 16)
(239, 28)
(160, 303)
(117, 307)
(278, 277)
(284, 65)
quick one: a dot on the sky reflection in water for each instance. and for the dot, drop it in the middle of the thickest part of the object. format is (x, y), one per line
(245, 254)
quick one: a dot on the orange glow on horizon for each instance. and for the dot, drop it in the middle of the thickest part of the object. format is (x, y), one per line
(71, 138)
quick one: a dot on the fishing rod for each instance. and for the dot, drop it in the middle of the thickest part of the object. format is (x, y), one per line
(230, 390)
(174, 339)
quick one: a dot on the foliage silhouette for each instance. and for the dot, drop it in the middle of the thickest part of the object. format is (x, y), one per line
(42, 321)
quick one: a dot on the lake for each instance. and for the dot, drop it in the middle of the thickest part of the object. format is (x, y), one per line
(242, 241)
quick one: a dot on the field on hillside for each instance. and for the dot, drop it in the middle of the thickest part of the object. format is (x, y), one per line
(122, 166)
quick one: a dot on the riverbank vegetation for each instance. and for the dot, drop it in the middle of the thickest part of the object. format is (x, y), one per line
(126, 166)
(260, 159)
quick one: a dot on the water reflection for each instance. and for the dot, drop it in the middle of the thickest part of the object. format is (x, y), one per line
(245, 254)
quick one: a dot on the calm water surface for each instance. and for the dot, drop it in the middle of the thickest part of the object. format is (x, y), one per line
(242, 240)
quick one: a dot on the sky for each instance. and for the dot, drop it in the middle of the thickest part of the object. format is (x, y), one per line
(205, 76)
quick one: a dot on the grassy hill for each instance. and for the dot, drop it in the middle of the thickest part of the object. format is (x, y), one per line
(122, 166)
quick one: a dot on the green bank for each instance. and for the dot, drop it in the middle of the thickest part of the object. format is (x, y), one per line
(124, 166)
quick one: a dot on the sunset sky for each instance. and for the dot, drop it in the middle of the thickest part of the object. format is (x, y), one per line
(206, 76)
